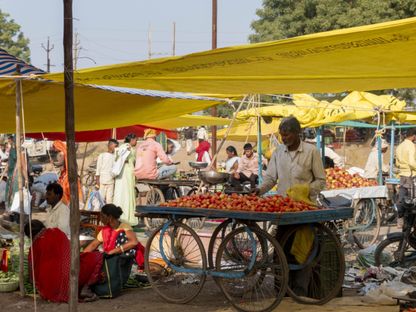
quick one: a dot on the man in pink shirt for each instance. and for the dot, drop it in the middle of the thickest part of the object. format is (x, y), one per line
(248, 168)
(146, 155)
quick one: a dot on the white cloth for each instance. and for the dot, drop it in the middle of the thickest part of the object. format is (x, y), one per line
(4, 155)
(105, 163)
(41, 182)
(123, 153)
(230, 163)
(58, 217)
(202, 134)
(189, 146)
(359, 192)
(371, 167)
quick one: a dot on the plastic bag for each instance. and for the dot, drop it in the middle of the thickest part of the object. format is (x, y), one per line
(299, 192)
(27, 199)
(409, 276)
(302, 243)
(384, 294)
(365, 257)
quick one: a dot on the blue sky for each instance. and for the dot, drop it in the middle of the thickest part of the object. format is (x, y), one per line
(117, 31)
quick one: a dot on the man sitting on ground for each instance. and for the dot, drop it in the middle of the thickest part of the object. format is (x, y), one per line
(58, 213)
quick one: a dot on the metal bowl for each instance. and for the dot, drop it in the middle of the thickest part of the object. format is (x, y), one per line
(214, 177)
(198, 164)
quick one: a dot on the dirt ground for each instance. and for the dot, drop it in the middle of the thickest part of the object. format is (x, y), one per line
(209, 300)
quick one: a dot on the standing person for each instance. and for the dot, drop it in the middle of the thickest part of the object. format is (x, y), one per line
(202, 133)
(406, 164)
(146, 159)
(103, 174)
(202, 151)
(248, 168)
(189, 137)
(294, 163)
(58, 214)
(371, 167)
(4, 155)
(124, 186)
(62, 163)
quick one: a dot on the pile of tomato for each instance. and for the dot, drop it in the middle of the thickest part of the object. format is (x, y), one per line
(337, 178)
(240, 202)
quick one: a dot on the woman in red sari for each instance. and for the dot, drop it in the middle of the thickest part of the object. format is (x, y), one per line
(51, 264)
(118, 238)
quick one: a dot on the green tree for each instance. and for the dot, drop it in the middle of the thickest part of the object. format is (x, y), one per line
(280, 19)
(12, 39)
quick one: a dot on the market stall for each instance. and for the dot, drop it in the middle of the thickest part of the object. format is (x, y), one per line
(248, 264)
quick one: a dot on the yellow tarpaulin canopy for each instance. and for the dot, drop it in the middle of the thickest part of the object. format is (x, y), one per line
(189, 121)
(372, 57)
(314, 113)
(247, 131)
(95, 108)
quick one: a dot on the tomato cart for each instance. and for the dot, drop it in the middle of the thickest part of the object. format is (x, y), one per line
(250, 265)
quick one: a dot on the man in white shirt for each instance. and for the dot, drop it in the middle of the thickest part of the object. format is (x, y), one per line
(371, 167)
(202, 134)
(58, 215)
(104, 176)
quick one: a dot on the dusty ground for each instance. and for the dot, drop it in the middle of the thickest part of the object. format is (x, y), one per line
(209, 300)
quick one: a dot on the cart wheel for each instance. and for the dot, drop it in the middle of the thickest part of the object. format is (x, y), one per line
(154, 197)
(196, 223)
(365, 223)
(321, 278)
(184, 268)
(388, 253)
(264, 269)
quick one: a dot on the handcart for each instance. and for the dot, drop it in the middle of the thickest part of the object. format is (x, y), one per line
(250, 266)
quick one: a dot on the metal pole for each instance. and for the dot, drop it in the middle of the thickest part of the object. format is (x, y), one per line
(174, 40)
(259, 150)
(323, 143)
(20, 187)
(214, 112)
(392, 134)
(319, 140)
(71, 152)
(380, 161)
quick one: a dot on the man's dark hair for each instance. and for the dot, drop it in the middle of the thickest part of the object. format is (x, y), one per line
(56, 189)
(328, 163)
(36, 226)
(113, 141)
(130, 137)
(410, 132)
(112, 210)
(290, 124)
(248, 146)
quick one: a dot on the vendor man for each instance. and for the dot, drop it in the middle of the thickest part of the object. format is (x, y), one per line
(294, 163)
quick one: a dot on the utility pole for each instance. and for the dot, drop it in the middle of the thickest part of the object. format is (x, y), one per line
(48, 60)
(214, 46)
(71, 152)
(76, 50)
(149, 42)
(174, 40)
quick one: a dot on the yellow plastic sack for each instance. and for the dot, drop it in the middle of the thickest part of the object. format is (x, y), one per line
(299, 192)
(302, 243)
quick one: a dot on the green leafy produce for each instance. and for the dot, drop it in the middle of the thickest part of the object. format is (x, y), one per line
(8, 277)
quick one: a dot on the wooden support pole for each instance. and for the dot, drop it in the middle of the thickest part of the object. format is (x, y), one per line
(71, 154)
(20, 186)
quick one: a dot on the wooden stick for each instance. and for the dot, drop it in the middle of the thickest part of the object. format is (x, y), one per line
(71, 152)
(20, 187)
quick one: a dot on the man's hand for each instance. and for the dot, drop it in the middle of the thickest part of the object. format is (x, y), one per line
(97, 181)
(237, 175)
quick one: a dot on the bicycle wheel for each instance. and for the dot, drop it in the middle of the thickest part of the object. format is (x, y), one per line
(255, 277)
(388, 253)
(320, 278)
(154, 197)
(366, 223)
(182, 267)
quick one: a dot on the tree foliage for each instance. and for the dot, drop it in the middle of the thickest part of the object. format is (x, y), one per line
(12, 39)
(280, 19)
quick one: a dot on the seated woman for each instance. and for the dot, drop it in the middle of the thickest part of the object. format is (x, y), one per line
(51, 264)
(118, 239)
(231, 164)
